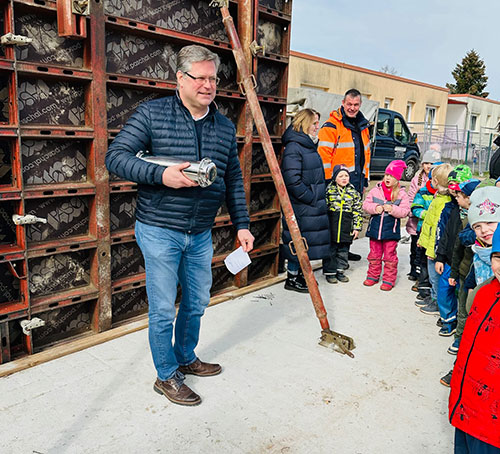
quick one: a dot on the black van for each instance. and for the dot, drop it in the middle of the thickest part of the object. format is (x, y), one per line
(393, 140)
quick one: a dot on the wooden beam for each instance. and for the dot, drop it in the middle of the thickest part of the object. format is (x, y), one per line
(70, 347)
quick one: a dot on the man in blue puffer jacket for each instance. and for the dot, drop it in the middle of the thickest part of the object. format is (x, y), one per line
(174, 216)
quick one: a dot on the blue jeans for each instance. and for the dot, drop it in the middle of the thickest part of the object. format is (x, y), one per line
(174, 257)
(293, 267)
(433, 278)
(447, 298)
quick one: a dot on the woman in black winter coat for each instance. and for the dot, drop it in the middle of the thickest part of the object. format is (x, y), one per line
(304, 177)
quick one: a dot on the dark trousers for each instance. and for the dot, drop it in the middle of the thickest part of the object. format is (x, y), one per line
(462, 309)
(414, 265)
(467, 444)
(281, 259)
(337, 260)
(424, 284)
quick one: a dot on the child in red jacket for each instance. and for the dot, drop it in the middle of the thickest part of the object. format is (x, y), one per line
(387, 202)
(474, 403)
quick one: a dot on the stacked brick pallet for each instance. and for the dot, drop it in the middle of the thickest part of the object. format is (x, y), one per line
(62, 99)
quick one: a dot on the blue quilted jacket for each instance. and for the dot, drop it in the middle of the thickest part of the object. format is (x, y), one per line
(164, 127)
(421, 203)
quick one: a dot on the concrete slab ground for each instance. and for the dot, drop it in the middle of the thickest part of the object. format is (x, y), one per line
(280, 392)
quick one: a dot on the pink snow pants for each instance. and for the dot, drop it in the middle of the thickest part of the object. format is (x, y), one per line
(383, 250)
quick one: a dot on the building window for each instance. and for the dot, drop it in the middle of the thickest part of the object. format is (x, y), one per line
(473, 121)
(366, 95)
(409, 110)
(430, 115)
(387, 103)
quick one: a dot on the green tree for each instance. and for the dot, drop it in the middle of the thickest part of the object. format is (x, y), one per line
(470, 76)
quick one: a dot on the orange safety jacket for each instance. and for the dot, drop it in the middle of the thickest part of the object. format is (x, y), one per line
(336, 145)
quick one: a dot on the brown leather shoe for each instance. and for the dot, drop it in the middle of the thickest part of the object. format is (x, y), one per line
(201, 369)
(177, 393)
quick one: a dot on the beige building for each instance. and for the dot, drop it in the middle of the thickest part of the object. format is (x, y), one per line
(473, 113)
(416, 101)
(476, 121)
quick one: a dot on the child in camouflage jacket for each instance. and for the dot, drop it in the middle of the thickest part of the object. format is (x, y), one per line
(345, 213)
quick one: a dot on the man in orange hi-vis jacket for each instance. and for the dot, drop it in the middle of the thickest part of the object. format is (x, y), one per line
(345, 139)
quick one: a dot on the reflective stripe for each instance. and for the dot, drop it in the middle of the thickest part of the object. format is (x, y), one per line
(326, 144)
(351, 169)
(327, 166)
(346, 145)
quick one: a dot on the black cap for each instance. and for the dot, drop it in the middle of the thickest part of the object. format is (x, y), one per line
(337, 169)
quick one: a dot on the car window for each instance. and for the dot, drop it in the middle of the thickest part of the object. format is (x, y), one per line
(383, 124)
(401, 131)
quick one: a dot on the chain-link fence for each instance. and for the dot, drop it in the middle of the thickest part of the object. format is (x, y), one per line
(458, 146)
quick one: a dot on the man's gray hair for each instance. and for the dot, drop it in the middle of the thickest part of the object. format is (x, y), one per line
(192, 54)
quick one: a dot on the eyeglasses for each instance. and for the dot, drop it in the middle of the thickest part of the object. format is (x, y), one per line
(201, 80)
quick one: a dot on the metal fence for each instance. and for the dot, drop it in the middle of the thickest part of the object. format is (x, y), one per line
(458, 146)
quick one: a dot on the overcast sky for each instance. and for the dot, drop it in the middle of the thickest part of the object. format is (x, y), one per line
(422, 40)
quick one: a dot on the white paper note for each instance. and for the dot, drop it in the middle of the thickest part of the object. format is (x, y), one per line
(237, 260)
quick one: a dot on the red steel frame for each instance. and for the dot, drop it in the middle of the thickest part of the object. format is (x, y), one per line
(95, 133)
(253, 102)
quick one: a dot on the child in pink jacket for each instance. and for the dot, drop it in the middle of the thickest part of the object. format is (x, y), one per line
(387, 202)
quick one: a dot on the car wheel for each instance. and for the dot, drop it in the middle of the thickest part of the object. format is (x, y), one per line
(411, 170)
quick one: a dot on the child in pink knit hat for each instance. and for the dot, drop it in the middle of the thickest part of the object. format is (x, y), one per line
(387, 203)
(396, 169)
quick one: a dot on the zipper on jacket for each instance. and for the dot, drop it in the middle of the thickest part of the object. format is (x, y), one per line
(469, 354)
(381, 223)
(340, 217)
(198, 154)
